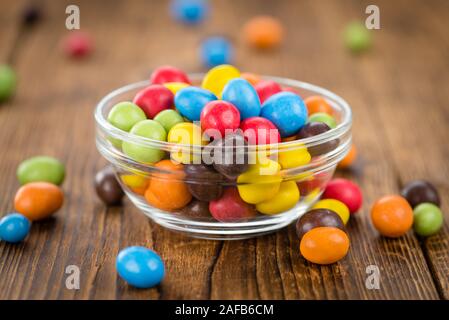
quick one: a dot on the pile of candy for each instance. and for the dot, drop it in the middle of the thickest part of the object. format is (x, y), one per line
(229, 109)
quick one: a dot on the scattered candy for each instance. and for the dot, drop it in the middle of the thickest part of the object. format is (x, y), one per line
(219, 117)
(266, 88)
(140, 267)
(41, 168)
(78, 44)
(168, 74)
(230, 207)
(357, 37)
(392, 216)
(153, 99)
(14, 228)
(168, 118)
(334, 205)
(189, 11)
(312, 129)
(125, 115)
(263, 32)
(323, 117)
(317, 104)
(345, 191)
(287, 111)
(420, 191)
(243, 96)
(38, 200)
(318, 218)
(215, 51)
(258, 130)
(107, 187)
(285, 199)
(324, 245)
(191, 101)
(7, 82)
(217, 78)
(428, 219)
(204, 184)
(349, 159)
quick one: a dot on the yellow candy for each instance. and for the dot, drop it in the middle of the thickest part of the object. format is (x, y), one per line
(136, 183)
(285, 199)
(337, 206)
(175, 86)
(296, 157)
(260, 182)
(217, 77)
(185, 133)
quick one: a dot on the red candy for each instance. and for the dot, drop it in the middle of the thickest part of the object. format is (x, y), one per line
(154, 99)
(346, 191)
(166, 74)
(266, 88)
(258, 130)
(219, 115)
(78, 44)
(230, 207)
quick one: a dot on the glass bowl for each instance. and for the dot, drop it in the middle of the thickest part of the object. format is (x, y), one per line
(144, 183)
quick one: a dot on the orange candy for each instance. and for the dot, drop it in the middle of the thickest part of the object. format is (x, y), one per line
(38, 200)
(317, 104)
(250, 77)
(324, 245)
(167, 191)
(392, 216)
(349, 159)
(263, 32)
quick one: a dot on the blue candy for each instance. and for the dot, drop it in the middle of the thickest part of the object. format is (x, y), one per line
(216, 51)
(287, 111)
(190, 101)
(189, 11)
(243, 96)
(140, 267)
(14, 228)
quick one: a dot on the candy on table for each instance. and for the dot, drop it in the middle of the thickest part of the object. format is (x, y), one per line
(41, 168)
(316, 104)
(78, 44)
(243, 96)
(168, 118)
(349, 159)
(153, 99)
(312, 129)
(189, 11)
(345, 191)
(336, 206)
(38, 200)
(420, 191)
(318, 218)
(7, 82)
(168, 191)
(217, 78)
(191, 101)
(167, 74)
(185, 133)
(293, 155)
(258, 130)
(324, 245)
(230, 155)
(219, 118)
(196, 209)
(148, 129)
(230, 207)
(14, 228)
(392, 216)
(140, 267)
(203, 182)
(250, 77)
(357, 37)
(428, 219)
(287, 112)
(107, 187)
(263, 32)
(285, 199)
(260, 182)
(135, 182)
(216, 51)
(323, 117)
(124, 115)
(266, 88)
(174, 87)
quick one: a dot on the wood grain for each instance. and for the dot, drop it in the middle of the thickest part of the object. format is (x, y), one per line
(397, 92)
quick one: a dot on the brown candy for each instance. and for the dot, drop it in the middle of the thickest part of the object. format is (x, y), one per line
(420, 191)
(203, 182)
(196, 209)
(107, 187)
(318, 218)
(313, 129)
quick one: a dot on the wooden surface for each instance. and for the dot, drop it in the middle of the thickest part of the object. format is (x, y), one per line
(398, 92)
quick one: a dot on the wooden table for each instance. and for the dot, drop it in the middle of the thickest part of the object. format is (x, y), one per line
(398, 92)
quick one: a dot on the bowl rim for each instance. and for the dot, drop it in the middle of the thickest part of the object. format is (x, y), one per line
(329, 135)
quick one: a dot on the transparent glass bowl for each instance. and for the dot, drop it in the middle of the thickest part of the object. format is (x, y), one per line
(310, 178)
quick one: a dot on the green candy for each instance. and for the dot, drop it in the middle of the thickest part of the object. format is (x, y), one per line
(124, 115)
(7, 82)
(41, 168)
(168, 118)
(357, 37)
(428, 219)
(149, 129)
(323, 117)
